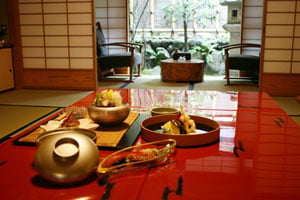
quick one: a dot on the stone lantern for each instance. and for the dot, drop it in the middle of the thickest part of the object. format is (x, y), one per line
(234, 17)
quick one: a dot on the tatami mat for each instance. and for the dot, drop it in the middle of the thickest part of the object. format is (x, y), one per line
(217, 83)
(296, 119)
(48, 98)
(14, 118)
(289, 104)
(154, 81)
(111, 84)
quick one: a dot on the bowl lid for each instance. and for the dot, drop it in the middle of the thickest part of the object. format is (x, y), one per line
(87, 132)
(66, 157)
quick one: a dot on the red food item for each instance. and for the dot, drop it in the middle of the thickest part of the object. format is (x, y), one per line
(132, 156)
(116, 159)
(177, 116)
(70, 121)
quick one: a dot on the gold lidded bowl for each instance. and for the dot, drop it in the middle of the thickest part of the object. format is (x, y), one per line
(66, 155)
(109, 116)
(108, 108)
(83, 131)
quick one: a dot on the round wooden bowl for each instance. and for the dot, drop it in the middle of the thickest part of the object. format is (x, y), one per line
(208, 131)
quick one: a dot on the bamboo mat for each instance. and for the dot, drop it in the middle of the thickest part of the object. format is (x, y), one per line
(110, 137)
(106, 137)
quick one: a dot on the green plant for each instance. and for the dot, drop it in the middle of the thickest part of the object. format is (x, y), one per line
(204, 50)
(190, 11)
(155, 56)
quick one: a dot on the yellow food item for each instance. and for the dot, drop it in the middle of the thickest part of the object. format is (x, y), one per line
(182, 124)
(170, 127)
(189, 124)
(108, 98)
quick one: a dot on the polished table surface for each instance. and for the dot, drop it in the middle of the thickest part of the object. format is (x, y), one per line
(265, 165)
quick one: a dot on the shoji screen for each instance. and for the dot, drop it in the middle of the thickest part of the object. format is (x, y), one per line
(281, 59)
(252, 23)
(57, 42)
(112, 14)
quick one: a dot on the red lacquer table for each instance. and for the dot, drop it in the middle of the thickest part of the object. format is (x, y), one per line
(264, 165)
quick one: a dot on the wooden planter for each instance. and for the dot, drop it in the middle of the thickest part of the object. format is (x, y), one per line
(186, 70)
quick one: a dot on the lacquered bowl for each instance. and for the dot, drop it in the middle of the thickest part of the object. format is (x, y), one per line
(207, 131)
(109, 116)
(163, 111)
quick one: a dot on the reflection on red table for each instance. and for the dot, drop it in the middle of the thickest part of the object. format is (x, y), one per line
(257, 156)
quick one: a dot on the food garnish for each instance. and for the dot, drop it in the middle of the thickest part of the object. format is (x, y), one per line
(108, 98)
(137, 157)
(70, 121)
(73, 117)
(181, 124)
(79, 112)
(74, 113)
(132, 156)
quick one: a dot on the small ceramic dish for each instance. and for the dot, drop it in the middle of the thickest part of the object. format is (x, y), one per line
(207, 131)
(163, 111)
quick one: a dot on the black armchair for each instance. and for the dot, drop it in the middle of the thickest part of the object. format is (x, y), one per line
(106, 62)
(243, 62)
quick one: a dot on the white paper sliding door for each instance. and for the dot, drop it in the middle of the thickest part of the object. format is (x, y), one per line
(112, 14)
(252, 19)
(57, 43)
(281, 58)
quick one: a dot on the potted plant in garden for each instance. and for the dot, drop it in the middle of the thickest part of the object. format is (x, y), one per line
(203, 51)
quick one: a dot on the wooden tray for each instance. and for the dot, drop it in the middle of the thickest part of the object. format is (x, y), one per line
(107, 138)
